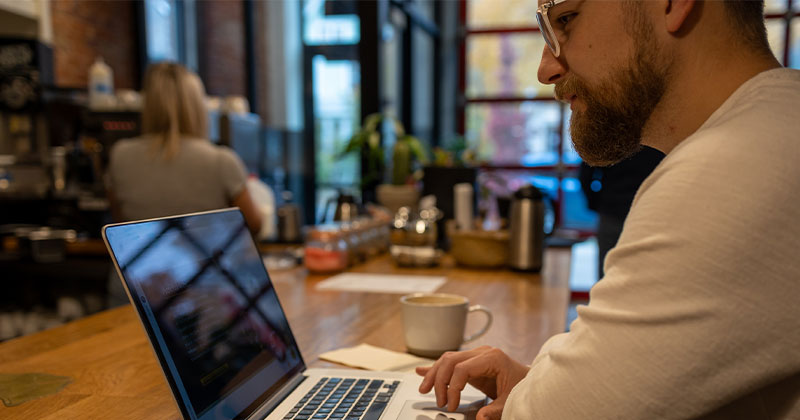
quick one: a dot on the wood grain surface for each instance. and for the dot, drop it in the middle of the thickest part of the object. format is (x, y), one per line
(115, 373)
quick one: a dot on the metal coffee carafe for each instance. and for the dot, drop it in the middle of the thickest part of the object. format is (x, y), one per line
(289, 220)
(527, 229)
(346, 208)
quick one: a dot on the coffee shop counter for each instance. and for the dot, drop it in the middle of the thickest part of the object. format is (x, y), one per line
(112, 372)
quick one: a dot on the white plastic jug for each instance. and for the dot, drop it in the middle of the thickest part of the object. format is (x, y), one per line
(101, 86)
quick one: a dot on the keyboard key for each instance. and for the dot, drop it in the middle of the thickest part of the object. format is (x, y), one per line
(344, 398)
(375, 411)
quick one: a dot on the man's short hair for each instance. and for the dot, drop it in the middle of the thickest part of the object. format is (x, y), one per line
(747, 16)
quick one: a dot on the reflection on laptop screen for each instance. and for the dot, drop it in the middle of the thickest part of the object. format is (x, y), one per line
(211, 307)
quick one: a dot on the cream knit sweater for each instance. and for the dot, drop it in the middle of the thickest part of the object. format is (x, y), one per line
(698, 316)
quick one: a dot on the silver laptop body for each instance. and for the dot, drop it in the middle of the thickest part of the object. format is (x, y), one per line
(222, 339)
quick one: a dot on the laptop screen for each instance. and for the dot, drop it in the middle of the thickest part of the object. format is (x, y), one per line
(210, 309)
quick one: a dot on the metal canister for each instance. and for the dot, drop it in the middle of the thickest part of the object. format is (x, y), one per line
(527, 229)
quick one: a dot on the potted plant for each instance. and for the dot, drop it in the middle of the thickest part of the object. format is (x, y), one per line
(407, 153)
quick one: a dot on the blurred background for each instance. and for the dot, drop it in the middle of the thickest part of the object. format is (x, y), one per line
(289, 84)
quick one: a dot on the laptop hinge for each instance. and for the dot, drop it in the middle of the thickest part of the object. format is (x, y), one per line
(278, 398)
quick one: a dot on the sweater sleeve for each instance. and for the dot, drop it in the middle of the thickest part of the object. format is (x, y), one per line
(698, 305)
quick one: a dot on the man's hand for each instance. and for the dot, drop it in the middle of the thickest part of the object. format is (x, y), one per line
(486, 368)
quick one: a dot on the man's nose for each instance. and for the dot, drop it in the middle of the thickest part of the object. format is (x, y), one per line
(551, 69)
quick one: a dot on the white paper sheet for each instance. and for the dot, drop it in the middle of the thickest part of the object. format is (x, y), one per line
(382, 283)
(370, 357)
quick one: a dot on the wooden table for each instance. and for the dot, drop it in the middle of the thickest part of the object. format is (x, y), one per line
(115, 374)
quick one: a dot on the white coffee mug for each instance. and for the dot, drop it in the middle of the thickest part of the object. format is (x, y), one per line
(434, 322)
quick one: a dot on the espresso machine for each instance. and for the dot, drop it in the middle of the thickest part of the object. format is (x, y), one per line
(51, 166)
(25, 66)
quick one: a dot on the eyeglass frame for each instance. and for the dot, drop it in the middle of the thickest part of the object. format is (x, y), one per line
(541, 15)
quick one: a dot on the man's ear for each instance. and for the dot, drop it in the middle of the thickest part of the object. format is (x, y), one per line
(677, 13)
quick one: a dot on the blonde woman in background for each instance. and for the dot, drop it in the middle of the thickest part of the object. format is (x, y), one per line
(173, 168)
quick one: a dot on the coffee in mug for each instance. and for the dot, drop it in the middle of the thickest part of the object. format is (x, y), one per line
(434, 323)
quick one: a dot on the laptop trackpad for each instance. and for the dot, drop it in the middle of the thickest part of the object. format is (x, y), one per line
(427, 410)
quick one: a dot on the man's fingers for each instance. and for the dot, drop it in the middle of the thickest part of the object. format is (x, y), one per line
(422, 370)
(492, 411)
(437, 377)
(427, 382)
(443, 373)
(461, 374)
(454, 394)
(451, 358)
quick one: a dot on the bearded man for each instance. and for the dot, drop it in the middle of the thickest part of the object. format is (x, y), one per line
(696, 317)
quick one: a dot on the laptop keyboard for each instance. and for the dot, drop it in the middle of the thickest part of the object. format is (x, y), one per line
(347, 399)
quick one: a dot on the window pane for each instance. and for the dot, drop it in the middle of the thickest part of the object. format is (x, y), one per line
(570, 156)
(775, 6)
(514, 134)
(322, 29)
(161, 22)
(336, 114)
(794, 53)
(501, 13)
(505, 65)
(575, 213)
(776, 32)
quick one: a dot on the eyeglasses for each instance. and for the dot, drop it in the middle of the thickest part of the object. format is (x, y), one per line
(547, 30)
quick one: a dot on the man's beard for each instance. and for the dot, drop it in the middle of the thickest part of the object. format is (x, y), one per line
(609, 130)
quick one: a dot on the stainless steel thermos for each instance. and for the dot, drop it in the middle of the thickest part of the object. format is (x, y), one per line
(527, 229)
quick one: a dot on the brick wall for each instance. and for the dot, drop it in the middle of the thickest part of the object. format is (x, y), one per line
(221, 55)
(84, 29)
(260, 46)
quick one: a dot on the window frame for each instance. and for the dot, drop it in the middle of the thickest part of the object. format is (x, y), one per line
(561, 169)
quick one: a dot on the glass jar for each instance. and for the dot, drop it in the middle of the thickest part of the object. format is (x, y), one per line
(384, 233)
(326, 250)
(363, 240)
(353, 238)
(373, 233)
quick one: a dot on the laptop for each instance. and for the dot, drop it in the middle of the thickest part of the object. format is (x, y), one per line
(222, 339)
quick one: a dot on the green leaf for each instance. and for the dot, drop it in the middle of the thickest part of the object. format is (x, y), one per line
(371, 122)
(417, 149)
(399, 130)
(376, 155)
(401, 161)
(374, 141)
